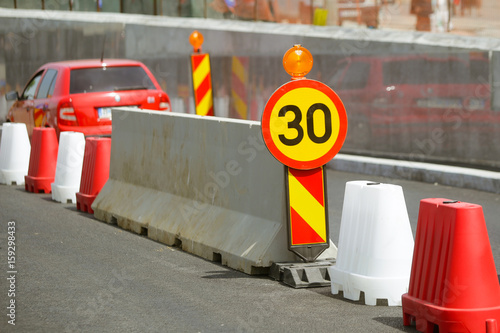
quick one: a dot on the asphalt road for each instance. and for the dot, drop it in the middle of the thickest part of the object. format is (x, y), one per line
(77, 274)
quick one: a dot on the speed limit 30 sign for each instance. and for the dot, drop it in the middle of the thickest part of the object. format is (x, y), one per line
(304, 124)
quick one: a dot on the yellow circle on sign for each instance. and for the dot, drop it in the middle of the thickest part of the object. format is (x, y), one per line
(304, 124)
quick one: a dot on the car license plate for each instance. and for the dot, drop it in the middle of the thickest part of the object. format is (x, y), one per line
(104, 113)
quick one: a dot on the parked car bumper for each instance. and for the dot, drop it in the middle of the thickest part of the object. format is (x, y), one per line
(88, 130)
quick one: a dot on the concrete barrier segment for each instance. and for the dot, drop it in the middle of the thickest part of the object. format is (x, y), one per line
(445, 295)
(95, 171)
(68, 167)
(43, 160)
(375, 244)
(205, 184)
(15, 153)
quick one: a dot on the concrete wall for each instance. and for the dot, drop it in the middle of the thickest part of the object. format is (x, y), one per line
(30, 38)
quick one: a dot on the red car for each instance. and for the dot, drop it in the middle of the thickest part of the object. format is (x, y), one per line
(414, 87)
(78, 95)
(395, 101)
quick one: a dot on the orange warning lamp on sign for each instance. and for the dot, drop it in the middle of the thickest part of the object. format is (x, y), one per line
(304, 125)
(196, 39)
(297, 62)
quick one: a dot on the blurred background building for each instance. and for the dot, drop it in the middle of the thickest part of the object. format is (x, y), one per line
(420, 15)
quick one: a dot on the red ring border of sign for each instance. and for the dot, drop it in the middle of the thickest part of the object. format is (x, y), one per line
(266, 117)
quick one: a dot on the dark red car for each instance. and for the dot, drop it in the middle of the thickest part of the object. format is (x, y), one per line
(413, 87)
(78, 95)
(397, 100)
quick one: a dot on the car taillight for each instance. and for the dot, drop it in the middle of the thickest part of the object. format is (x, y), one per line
(67, 114)
(164, 103)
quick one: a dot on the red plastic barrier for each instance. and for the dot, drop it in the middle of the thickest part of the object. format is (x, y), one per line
(43, 160)
(453, 281)
(95, 172)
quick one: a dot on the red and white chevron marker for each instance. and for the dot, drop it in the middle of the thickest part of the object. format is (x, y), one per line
(304, 125)
(202, 77)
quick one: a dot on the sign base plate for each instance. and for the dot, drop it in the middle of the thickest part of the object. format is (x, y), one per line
(303, 275)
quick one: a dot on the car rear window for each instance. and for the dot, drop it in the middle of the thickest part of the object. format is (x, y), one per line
(99, 79)
(425, 71)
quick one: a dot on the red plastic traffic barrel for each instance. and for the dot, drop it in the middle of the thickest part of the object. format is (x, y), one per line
(453, 281)
(43, 160)
(95, 172)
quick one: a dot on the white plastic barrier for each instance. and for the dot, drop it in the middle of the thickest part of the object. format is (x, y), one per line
(15, 150)
(204, 183)
(69, 167)
(375, 244)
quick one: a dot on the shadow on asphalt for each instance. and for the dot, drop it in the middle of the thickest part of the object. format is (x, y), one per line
(395, 322)
(228, 274)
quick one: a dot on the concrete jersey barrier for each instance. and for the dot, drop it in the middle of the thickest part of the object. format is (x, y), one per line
(206, 184)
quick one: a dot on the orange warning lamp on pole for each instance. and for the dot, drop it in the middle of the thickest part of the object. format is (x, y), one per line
(304, 125)
(297, 62)
(196, 39)
(202, 79)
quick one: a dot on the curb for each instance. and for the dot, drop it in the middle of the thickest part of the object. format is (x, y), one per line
(482, 180)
